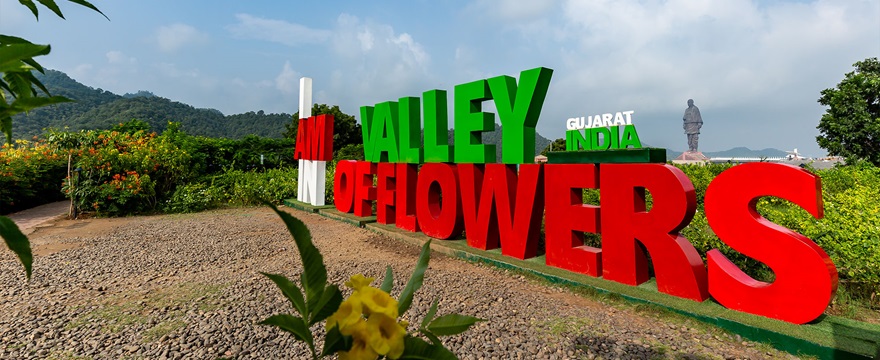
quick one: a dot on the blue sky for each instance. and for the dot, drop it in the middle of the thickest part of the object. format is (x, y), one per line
(755, 68)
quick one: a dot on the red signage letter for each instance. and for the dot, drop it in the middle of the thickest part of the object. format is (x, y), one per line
(343, 185)
(568, 218)
(406, 178)
(365, 192)
(385, 194)
(438, 218)
(625, 223)
(806, 279)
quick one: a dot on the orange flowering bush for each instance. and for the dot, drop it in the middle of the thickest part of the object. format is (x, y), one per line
(124, 173)
(29, 171)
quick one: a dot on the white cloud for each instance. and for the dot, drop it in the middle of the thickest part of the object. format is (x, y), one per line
(283, 32)
(376, 62)
(172, 71)
(288, 80)
(115, 57)
(172, 37)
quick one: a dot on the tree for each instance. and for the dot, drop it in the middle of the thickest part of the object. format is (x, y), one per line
(556, 145)
(850, 126)
(18, 86)
(18, 95)
(346, 130)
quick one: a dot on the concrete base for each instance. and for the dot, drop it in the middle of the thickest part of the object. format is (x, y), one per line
(346, 217)
(299, 205)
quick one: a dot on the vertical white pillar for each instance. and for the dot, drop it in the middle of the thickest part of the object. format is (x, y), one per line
(311, 178)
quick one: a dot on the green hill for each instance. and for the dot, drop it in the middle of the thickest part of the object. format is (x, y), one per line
(99, 109)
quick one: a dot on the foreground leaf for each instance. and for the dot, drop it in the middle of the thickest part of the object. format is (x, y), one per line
(452, 324)
(335, 341)
(314, 276)
(17, 242)
(327, 305)
(416, 348)
(290, 291)
(293, 325)
(388, 282)
(415, 282)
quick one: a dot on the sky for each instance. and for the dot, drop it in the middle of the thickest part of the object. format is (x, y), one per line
(754, 68)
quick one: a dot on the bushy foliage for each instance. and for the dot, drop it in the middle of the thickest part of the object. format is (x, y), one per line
(849, 231)
(30, 174)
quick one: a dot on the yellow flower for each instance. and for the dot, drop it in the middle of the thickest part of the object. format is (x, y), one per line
(376, 301)
(347, 316)
(385, 335)
(360, 349)
(358, 281)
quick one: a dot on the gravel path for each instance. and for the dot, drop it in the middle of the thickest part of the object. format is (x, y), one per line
(187, 287)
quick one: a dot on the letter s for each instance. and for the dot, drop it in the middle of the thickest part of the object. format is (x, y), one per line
(806, 278)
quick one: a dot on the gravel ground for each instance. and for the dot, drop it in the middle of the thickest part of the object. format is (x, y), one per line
(187, 287)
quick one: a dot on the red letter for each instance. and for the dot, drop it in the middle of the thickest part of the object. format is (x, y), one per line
(568, 218)
(385, 194)
(321, 143)
(365, 192)
(508, 210)
(678, 267)
(406, 178)
(438, 220)
(343, 185)
(806, 279)
(302, 140)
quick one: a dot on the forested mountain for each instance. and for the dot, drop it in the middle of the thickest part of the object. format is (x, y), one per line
(99, 109)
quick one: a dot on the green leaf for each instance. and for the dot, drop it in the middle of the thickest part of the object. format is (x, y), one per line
(388, 282)
(18, 52)
(452, 324)
(429, 316)
(327, 305)
(52, 6)
(33, 7)
(434, 339)
(290, 291)
(90, 6)
(314, 276)
(17, 242)
(415, 281)
(418, 349)
(334, 342)
(293, 325)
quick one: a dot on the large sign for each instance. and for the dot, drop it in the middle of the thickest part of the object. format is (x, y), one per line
(462, 187)
(314, 147)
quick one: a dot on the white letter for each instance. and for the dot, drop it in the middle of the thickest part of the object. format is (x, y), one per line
(606, 119)
(618, 119)
(571, 124)
(629, 119)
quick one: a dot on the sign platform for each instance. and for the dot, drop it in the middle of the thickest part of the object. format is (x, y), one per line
(611, 156)
(299, 205)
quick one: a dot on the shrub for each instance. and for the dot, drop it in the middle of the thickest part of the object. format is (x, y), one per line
(31, 173)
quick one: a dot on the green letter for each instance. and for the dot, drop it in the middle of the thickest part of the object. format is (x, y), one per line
(437, 148)
(630, 137)
(519, 110)
(410, 126)
(594, 138)
(581, 139)
(366, 130)
(384, 133)
(470, 121)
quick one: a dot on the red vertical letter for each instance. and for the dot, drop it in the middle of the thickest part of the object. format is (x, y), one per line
(302, 140)
(365, 192)
(677, 265)
(806, 278)
(321, 143)
(385, 194)
(440, 220)
(343, 185)
(568, 218)
(406, 179)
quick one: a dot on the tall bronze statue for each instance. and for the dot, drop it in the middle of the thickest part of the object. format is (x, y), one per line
(692, 124)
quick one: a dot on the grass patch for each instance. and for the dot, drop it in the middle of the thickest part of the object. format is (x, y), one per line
(131, 308)
(162, 329)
